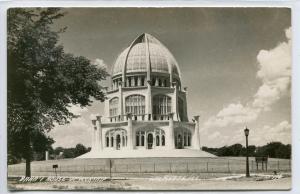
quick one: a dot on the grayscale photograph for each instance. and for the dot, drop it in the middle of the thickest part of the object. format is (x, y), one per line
(139, 99)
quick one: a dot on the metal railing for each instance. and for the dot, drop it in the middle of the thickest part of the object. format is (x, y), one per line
(227, 167)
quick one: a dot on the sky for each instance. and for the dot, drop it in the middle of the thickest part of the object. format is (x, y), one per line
(236, 63)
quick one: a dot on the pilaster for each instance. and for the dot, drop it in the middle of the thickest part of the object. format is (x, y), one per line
(121, 98)
(130, 132)
(94, 138)
(196, 135)
(170, 138)
(149, 103)
(99, 133)
(175, 101)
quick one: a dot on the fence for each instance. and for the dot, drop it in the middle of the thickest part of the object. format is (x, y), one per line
(209, 166)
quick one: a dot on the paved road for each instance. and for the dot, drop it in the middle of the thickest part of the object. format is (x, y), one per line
(152, 184)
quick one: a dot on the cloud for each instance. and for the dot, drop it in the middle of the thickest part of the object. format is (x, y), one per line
(77, 131)
(99, 63)
(275, 73)
(232, 114)
(258, 136)
(280, 132)
(274, 70)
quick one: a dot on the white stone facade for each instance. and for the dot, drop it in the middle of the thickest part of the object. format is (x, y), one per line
(146, 106)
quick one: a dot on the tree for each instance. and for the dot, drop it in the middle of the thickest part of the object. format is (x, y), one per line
(272, 149)
(69, 153)
(80, 149)
(275, 150)
(58, 150)
(43, 80)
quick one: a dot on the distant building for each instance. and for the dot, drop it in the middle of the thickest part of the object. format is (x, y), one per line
(146, 108)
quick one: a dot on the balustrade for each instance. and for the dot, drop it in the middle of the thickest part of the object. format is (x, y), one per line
(141, 117)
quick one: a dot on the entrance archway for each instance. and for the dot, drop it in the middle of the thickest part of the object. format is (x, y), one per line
(118, 141)
(150, 140)
(179, 142)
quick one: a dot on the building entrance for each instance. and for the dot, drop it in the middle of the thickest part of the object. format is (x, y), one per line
(179, 142)
(150, 140)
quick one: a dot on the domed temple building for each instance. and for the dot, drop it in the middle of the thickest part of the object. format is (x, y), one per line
(146, 107)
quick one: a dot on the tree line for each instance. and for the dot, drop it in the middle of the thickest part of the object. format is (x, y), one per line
(272, 150)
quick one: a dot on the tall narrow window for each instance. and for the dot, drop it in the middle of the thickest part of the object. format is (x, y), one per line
(142, 81)
(157, 140)
(143, 140)
(161, 105)
(137, 140)
(181, 109)
(112, 141)
(163, 140)
(113, 106)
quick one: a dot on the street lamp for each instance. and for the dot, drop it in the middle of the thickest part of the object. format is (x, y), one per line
(247, 158)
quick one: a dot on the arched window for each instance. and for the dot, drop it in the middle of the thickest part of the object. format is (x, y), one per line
(161, 105)
(120, 135)
(137, 139)
(181, 109)
(135, 104)
(142, 81)
(143, 140)
(163, 140)
(113, 106)
(136, 81)
(107, 141)
(153, 81)
(185, 139)
(182, 137)
(157, 140)
(158, 137)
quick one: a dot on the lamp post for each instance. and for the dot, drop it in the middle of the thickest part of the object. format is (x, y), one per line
(247, 158)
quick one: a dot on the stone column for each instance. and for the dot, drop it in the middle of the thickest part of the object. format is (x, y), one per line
(139, 81)
(127, 82)
(130, 133)
(146, 140)
(175, 101)
(94, 139)
(170, 138)
(121, 111)
(133, 82)
(109, 140)
(99, 134)
(156, 81)
(196, 135)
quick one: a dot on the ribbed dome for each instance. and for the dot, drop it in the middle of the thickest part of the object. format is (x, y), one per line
(145, 53)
